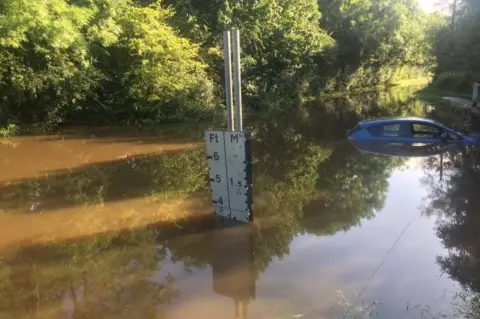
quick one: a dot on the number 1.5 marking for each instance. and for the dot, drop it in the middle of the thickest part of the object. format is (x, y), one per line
(239, 183)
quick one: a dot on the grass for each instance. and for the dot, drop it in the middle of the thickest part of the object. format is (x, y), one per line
(343, 309)
(448, 84)
(444, 110)
(434, 95)
(348, 309)
(401, 83)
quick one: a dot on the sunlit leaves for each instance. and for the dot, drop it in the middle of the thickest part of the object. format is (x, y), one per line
(44, 58)
(111, 60)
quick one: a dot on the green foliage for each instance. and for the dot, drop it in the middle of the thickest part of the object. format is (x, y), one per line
(45, 65)
(295, 49)
(375, 39)
(9, 130)
(160, 78)
(282, 39)
(99, 60)
(141, 62)
(456, 44)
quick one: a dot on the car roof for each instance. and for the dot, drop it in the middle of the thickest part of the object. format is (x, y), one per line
(387, 120)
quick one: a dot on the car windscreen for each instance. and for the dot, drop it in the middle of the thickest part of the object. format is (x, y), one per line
(353, 130)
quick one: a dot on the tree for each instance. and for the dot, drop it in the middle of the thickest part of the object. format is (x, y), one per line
(281, 41)
(456, 46)
(151, 74)
(45, 65)
(377, 41)
(99, 61)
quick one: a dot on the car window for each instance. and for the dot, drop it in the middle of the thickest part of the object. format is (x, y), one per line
(421, 130)
(391, 130)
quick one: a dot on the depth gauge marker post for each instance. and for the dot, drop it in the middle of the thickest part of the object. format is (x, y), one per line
(229, 152)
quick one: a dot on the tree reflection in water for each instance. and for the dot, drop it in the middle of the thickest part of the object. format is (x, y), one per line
(455, 202)
(307, 180)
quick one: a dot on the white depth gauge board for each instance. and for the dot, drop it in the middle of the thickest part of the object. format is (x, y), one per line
(230, 172)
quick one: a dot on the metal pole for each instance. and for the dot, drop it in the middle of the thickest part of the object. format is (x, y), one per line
(228, 80)
(237, 80)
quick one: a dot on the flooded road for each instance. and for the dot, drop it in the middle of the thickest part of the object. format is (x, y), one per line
(100, 224)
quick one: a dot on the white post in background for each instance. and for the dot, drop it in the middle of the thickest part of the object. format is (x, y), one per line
(237, 80)
(228, 80)
(475, 94)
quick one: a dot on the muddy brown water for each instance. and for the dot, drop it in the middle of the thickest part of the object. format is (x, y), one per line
(109, 223)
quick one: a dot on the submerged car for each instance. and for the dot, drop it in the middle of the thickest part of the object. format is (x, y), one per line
(410, 130)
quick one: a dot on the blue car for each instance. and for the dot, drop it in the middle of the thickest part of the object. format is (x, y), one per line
(410, 130)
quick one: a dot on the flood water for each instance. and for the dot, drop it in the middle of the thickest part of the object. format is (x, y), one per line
(109, 223)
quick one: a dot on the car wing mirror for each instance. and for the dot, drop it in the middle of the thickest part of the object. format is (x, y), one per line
(444, 136)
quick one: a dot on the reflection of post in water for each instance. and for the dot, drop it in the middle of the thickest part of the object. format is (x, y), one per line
(233, 264)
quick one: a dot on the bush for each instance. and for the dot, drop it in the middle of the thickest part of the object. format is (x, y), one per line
(45, 66)
(9, 130)
(108, 61)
